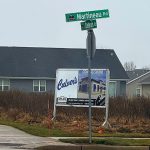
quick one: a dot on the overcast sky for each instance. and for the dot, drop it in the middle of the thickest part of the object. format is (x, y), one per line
(41, 23)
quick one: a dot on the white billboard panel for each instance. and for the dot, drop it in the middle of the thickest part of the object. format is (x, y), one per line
(66, 84)
(72, 87)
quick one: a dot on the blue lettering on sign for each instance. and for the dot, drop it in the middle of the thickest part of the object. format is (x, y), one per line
(62, 83)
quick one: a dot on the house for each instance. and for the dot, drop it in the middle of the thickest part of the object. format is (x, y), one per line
(97, 86)
(139, 83)
(33, 69)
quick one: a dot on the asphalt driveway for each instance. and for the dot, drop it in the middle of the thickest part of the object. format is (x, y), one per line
(14, 139)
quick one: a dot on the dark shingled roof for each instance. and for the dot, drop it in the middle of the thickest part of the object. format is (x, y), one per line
(43, 62)
(136, 73)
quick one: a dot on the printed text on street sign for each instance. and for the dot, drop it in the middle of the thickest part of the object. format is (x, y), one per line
(89, 15)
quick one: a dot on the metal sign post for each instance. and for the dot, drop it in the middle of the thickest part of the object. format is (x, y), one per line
(90, 114)
(91, 44)
(106, 123)
(91, 48)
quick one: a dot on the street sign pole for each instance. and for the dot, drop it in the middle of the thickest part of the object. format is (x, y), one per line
(91, 48)
(89, 77)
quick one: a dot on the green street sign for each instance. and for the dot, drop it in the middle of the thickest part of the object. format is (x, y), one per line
(88, 15)
(88, 24)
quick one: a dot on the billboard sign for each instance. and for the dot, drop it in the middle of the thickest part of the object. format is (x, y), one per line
(71, 87)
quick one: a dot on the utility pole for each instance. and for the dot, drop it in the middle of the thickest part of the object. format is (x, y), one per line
(91, 48)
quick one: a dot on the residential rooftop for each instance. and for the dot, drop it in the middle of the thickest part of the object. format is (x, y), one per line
(43, 62)
(136, 73)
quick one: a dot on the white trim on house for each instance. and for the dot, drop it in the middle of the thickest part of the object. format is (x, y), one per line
(138, 77)
(47, 78)
(119, 79)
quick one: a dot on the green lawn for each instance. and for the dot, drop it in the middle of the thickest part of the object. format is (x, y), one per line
(111, 141)
(45, 132)
(36, 129)
(125, 135)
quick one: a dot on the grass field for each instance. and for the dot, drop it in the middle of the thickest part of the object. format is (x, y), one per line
(111, 141)
(38, 130)
(35, 129)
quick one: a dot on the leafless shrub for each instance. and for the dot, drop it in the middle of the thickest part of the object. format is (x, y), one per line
(130, 109)
(125, 115)
(33, 103)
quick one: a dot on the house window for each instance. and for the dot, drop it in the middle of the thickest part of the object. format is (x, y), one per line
(138, 92)
(39, 85)
(98, 88)
(84, 88)
(94, 87)
(4, 85)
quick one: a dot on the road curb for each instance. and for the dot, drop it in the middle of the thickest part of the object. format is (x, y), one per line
(106, 147)
(94, 147)
(61, 147)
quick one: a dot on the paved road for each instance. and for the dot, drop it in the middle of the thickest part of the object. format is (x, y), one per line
(14, 139)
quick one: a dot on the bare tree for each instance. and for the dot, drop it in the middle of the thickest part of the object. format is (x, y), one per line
(129, 66)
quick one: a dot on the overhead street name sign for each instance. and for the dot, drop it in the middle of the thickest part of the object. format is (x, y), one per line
(88, 15)
(88, 24)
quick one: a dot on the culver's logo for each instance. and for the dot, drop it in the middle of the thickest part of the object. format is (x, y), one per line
(65, 83)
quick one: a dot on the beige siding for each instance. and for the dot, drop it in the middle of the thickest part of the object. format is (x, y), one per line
(131, 87)
(146, 90)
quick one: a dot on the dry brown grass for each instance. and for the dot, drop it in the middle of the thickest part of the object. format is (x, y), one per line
(125, 115)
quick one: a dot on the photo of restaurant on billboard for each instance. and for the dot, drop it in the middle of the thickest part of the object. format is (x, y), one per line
(71, 87)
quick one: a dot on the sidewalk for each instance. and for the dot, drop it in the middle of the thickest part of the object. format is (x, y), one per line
(11, 138)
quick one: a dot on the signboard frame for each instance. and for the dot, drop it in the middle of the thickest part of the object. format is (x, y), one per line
(106, 92)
